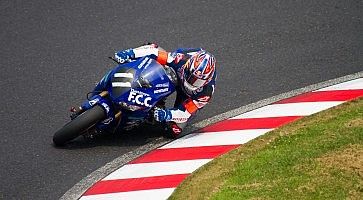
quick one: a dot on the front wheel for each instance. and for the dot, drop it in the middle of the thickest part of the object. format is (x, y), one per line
(78, 125)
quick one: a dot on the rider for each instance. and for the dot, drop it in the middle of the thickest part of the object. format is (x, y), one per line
(196, 73)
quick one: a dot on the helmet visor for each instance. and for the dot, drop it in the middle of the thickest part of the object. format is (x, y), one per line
(193, 83)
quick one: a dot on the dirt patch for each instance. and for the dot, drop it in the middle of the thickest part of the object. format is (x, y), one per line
(349, 159)
(355, 123)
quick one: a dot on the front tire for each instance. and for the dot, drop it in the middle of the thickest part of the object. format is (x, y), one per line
(78, 125)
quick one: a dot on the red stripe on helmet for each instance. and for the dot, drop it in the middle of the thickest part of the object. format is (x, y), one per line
(210, 66)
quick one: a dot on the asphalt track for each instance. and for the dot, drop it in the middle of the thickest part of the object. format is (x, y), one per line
(52, 53)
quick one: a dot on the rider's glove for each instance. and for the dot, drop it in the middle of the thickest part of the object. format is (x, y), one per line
(161, 115)
(125, 55)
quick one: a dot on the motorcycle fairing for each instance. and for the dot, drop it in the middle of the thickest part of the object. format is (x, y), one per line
(134, 88)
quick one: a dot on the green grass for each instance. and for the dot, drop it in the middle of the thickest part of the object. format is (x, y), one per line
(317, 157)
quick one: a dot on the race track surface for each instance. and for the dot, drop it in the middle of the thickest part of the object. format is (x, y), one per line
(52, 54)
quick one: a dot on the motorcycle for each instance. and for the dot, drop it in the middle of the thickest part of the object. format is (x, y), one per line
(124, 98)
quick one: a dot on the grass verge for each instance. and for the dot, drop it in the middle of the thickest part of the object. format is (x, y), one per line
(317, 157)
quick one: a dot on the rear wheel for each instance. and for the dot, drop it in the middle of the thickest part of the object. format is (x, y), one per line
(78, 125)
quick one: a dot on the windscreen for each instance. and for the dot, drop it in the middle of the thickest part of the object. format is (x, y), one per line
(152, 72)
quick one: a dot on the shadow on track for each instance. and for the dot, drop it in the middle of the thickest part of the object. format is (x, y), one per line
(136, 137)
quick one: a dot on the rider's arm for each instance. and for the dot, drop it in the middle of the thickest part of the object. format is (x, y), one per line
(191, 105)
(188, 108)
(151, 50)
(154, 52)
(183, 110)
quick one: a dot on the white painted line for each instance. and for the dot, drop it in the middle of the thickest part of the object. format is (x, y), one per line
(289, 109)
(157, 194)
(123, 75)
(350, 85)
(157, 169)
(235, 137)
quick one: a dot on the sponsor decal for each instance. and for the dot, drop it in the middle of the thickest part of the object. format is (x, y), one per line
(162, 85)
(93, 102)
(107, 121)
(142, 63)
(148, 63)
(139, 98)
(139, 92)
(147, 47)
(106, 107)
(179, 119)
(161, 90)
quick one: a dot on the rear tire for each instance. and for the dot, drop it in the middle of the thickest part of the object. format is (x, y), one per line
(78, 125)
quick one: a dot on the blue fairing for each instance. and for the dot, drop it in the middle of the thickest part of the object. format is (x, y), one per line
(134, 89)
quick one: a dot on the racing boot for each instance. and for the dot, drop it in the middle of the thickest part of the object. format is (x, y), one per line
(173, 130)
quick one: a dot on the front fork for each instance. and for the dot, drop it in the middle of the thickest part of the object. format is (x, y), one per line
(113, 117)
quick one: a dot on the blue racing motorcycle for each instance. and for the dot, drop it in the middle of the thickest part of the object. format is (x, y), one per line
(124, 98)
